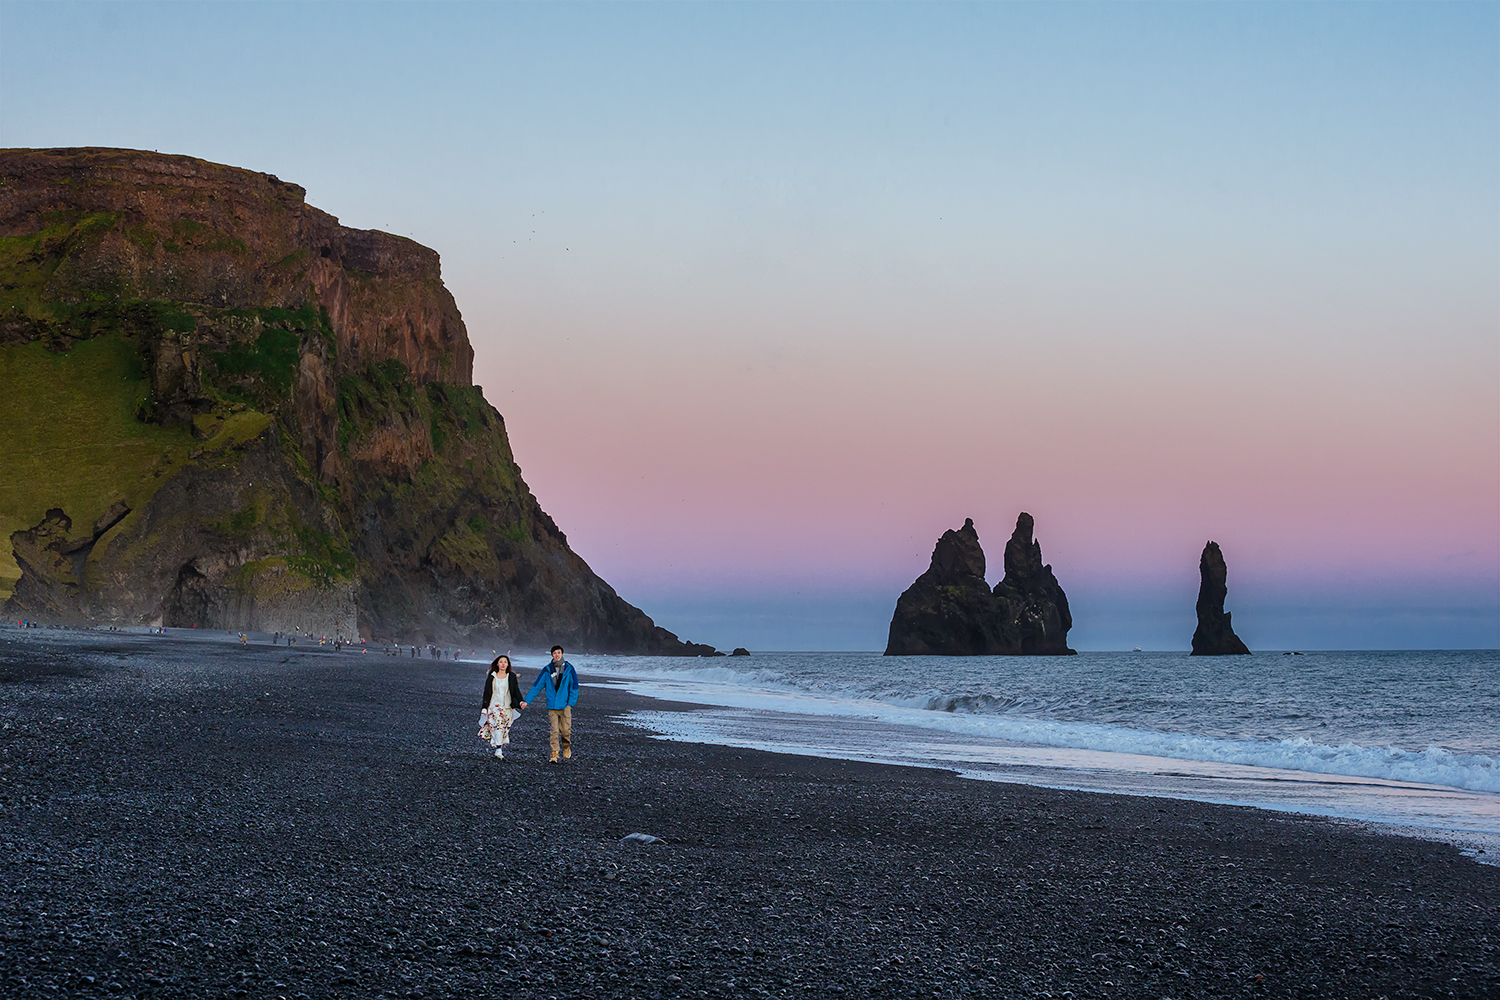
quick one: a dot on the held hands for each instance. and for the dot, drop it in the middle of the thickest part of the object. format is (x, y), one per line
(523, 704)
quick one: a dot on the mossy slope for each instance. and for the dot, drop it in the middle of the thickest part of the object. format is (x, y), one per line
(72, 440)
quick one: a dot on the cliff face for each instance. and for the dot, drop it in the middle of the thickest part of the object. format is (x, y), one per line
(1214, 636)
(282, 408)
(950, 611)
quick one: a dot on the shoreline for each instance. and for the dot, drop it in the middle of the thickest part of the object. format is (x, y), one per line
(1482, 846)
(1371, 782)
(280, 822)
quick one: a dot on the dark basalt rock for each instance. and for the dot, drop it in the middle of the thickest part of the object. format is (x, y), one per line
(951, 611)
(1037, 602)
(49, 572)
(740, 651)
(1214, 636)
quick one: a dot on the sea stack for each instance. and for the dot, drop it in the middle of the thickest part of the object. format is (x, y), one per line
(950, 610)
(1214, 636)
(1037, 603)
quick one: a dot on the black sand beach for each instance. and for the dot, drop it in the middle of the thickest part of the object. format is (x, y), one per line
(186, 818)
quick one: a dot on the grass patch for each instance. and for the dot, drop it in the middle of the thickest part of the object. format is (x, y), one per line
(69, 438)
(271, 360)
(238, 430)
(263, 371)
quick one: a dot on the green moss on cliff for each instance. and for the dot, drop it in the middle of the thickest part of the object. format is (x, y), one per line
(465, 507)
(455, 410)
(265, 351)
(469, 551)
(192, 235)
(322, 557)
(270, 578)
(272, 359)
(379, 395)
(37, 279)
(28, 263)
(237, 430)
(71, 439)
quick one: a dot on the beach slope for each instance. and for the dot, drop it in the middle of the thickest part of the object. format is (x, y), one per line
(184, 817)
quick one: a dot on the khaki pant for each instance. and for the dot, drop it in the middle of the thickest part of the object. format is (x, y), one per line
(562, 729)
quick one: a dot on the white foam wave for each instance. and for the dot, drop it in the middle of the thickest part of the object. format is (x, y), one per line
(1006, 719)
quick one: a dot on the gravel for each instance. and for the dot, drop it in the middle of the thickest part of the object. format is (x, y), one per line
(181, 816)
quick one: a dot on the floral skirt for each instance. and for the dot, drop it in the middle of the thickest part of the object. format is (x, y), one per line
(494, 725)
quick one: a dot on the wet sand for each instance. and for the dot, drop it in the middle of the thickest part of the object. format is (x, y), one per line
(182, 817)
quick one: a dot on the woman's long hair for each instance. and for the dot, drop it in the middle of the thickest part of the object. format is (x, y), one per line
(495, 664)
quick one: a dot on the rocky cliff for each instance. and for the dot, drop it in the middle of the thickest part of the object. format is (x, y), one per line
(222, 408)
(951, 611)
(1214, 636)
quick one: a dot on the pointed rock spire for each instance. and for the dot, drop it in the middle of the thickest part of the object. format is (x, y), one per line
(1036, 599)
(958, 557)
(1214, 636)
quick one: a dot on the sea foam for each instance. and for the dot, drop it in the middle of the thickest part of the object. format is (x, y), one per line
(1022, 720)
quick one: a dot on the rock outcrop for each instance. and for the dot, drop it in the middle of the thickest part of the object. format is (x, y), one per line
(1214, 636)
(1038, 606)
(225, 409)
(951, 611)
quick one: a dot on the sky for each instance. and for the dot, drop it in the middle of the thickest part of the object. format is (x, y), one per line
(771, 295)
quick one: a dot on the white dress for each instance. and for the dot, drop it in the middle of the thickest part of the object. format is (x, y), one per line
(497, 716)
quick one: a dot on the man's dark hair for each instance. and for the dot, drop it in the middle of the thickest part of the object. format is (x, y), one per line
(557, 649)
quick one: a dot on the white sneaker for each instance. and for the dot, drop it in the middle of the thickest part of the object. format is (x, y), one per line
(499, 751)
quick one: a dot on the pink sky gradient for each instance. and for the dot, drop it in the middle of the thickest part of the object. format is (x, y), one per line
(771, 295)
(837, 460)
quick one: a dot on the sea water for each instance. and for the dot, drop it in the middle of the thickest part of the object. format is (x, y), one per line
(1407, 738)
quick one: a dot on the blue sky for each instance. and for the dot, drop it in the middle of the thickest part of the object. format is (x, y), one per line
(770, 295)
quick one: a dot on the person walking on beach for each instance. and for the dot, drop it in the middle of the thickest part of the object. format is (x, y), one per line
(560, 682)
(500, 705)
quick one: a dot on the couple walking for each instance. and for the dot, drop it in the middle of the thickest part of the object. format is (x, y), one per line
(502, 702)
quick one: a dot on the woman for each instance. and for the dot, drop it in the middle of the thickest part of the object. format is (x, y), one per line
(501, 704)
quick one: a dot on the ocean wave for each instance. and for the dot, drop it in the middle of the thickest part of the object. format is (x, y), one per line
(1013, 719)
(1429, 766)
(975, 704)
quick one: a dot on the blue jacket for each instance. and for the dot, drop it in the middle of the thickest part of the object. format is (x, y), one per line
(564, 694)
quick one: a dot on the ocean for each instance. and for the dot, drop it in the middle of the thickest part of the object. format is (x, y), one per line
(1405, 738)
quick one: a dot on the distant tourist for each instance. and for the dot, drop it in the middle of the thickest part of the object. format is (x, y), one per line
(500, 705)
(560, 681)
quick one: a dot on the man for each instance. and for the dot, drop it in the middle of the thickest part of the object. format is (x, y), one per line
(560, 681)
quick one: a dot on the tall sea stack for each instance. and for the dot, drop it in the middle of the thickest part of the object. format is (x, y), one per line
(222, 408)
(1214, 636)
(950, 610)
